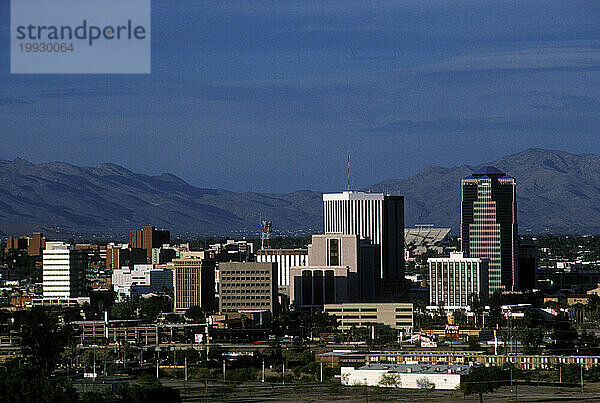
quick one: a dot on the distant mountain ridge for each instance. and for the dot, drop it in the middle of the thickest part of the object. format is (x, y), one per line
(556, 192)
(60, 198)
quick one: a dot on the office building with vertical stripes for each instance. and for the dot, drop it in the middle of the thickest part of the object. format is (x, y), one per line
(489, 224)
(374, 217)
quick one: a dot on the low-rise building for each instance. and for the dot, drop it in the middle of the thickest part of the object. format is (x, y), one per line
(406, 376)
(394, 315)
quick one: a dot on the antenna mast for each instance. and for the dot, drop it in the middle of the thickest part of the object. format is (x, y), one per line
(266, 228)
(348, 183)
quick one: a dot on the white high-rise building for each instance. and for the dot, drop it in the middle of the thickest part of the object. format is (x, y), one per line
(375, 217)
(63, 271)
(455, 280)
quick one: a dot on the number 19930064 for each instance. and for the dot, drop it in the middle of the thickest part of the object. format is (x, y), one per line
(46, 47)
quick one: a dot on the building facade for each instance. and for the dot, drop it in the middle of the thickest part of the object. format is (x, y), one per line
(141, 279)
(341, 268)
(528, 264)
(194, 283)
(63, 271)
(285, 258)
(248, 286)
(147, 238)
(455, 280)
(394, 315)
(405, 376)
(375, 217)
(489, 224)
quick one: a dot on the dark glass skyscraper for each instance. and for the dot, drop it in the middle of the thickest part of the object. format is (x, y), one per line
(489, 224)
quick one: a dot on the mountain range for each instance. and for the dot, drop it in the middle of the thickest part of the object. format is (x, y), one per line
(557, 192)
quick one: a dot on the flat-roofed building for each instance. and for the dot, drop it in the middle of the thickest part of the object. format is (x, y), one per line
(194, 283)
(148, 238)
(341, 268)
(374, 217)
(141, 279)
(405, 376)
(455, 280)
(489, 224)
(248, 286)
(396, 315)
(285, 259)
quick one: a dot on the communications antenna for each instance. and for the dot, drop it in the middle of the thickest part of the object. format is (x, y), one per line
(348, 182)
(266, 227)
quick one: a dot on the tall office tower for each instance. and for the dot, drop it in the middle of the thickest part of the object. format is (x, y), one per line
(489, 224)
(63, 271)
(528, 262)
(375, 217)
(147, 238)
(36, 244)
(194, 283)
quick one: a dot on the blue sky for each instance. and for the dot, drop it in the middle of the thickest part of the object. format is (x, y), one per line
(270, 96)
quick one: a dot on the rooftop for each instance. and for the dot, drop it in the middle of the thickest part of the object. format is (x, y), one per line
(488, 171)
(418, 368)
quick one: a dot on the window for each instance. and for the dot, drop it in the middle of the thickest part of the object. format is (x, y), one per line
(334, 252)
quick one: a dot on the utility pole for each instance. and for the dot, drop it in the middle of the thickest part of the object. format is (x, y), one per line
(185, 366)
(283, 377)
(581, 377)
(263, 371)
(321, 371)
(223, 369)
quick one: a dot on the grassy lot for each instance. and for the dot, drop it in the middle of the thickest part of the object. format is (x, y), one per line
(194, 391)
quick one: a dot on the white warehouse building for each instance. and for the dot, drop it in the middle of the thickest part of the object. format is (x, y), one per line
(405, 376)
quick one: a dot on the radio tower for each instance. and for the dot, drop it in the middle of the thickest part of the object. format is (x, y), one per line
(266, 227)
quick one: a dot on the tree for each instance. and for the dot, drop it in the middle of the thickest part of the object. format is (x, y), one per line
(425, 385)
(531, 332)
(196, 314)
(23, 383)
(124, 310)
(389, 380)
(153, 306)
(43, 341)
(482, 380)
(564, 335)
(173, 318)
(495, 310)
